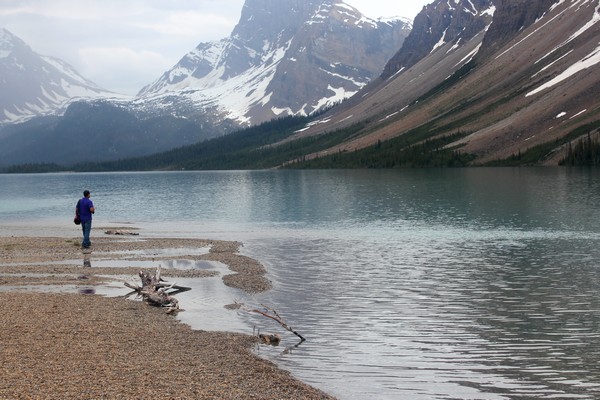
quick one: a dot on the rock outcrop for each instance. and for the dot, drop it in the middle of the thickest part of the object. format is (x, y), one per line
(440, 22)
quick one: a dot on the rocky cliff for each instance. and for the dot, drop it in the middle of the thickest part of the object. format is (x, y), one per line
(441, 22)
(510, 18)
(284, 57)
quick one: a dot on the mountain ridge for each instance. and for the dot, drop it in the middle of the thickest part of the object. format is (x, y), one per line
(284, 57)
(491, 82)
(501, 87)
(270, 66)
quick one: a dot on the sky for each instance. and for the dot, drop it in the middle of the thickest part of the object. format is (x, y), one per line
(124, 45)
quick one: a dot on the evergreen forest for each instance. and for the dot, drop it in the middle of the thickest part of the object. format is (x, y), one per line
(265, 146)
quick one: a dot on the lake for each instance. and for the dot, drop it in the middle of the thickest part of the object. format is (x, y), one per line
(475, 283)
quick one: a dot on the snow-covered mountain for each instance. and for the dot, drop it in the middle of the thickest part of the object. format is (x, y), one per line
(33, 85)
(285, 57)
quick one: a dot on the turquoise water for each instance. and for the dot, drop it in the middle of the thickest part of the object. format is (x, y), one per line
(416, 284)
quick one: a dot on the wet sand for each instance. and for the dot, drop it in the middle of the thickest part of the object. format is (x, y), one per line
(75, 346)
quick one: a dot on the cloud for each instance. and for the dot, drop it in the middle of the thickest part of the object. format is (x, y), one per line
(12, 11)
(61, 9)
(106, 40)
(125, 45)
(383, 8)
(208, 26)
(135, 68)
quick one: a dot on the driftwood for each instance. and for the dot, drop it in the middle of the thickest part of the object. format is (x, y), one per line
(121, 232)
(155, 291)
(272, 339)
(272, 314)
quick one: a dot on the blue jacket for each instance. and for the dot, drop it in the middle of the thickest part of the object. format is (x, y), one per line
(84, 205)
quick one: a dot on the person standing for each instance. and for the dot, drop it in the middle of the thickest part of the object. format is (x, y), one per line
(85, 209)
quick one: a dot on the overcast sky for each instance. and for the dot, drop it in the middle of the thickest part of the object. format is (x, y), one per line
(125, 45)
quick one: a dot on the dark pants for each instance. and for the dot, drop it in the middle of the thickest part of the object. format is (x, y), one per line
(86, 226)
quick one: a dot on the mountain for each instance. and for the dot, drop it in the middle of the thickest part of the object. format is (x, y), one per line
(93, 131)
(438, 24)
(476, 82)
(33, 85)
(284, 57)
(502, 81)
(51, 114)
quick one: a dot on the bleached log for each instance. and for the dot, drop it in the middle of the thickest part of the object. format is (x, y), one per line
(275, 317)
(155, 291)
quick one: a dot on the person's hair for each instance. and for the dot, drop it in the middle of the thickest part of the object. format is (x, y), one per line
(86, 193)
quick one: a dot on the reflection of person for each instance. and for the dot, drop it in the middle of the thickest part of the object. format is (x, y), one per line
(85, 209)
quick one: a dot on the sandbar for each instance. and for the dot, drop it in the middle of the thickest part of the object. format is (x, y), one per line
(77, 346)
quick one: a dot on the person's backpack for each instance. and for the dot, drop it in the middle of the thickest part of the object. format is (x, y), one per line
(77, 219)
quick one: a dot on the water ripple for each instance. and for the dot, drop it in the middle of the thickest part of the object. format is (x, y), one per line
(473, 320)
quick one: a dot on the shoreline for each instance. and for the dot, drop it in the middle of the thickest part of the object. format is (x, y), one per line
(71, 346)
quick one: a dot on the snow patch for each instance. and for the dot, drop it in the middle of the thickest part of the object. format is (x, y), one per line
(579, 113)
(279, 111)
(311, 124)
(441, 42)
(339, 94)
(588, 61)
(454, 46)
(490, 11)
(397, 73)
(551, 64)
(389, 116)
(469, 56)
(347, 118)
(557, 4)
(595, 18)
(10, 116)
(588, 25)
(51, 96)
(239, 94)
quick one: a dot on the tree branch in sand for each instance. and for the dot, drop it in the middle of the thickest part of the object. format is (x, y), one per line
(155, 291)
(271, 313)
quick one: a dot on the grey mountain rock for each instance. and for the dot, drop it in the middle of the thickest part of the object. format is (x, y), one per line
(518, 75)
(285, 57)
(439, 23)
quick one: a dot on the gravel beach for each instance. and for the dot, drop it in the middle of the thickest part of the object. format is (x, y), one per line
(78, 346)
